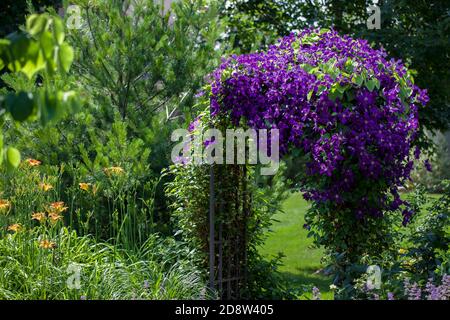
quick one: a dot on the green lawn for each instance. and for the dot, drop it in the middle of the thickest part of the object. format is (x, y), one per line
(302, 261)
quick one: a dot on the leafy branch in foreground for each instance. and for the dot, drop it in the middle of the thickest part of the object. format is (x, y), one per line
(40, 53)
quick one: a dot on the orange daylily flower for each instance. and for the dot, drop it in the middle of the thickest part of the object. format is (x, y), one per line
(84, 186)
(33, 162)
(45, 187)
(45, 244)
(15, 227)
(57, 207)
(39, 216)
(4, 205)
(54, 217)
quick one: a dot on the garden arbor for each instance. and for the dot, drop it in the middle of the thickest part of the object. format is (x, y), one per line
(350, 111)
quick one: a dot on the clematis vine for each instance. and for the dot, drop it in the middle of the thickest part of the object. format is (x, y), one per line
(351, 110)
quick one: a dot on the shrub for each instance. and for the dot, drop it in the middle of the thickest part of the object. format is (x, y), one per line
(417, 264)
(427, 244)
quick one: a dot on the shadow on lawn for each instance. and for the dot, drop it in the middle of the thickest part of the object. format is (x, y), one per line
(309, 277)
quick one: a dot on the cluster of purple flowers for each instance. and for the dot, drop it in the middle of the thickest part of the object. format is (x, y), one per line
(352, 111)
(316, 293)
(431, 290)
(412, 291)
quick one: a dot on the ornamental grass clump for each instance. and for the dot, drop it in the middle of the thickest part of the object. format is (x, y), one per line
(350, 110)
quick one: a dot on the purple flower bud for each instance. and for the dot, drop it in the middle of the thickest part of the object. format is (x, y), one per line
(316, 293)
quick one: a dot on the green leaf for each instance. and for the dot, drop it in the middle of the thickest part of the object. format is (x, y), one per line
(310, 39)
(337, 91)
(349, 65)
(58, 31)
(18, 49)
(4, 43)
(34, 60)
(370, 84)
(405, 92)
(47, 45)
(21, 106)
(36, 24)
(350, 95)
(68, 101)
(377, 83)
(341, 89)
(65, 54)
(48, 107)
(310, 93)
(295, 45)
(12, 158)
(321, 89)
(306, 67)
(1, 149)
(314, 70)
(162, 42)
(358, 79)
(334, 94)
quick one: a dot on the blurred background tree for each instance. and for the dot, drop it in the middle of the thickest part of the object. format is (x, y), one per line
(12, 12)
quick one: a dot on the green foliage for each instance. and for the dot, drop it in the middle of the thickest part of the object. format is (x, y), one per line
(38, 49)
(133, 264)
(417, 32)
(12, 12)
(419, 253)
(12, 158)
(440, 163)
(139, 71)
(252, 25)
(189, 181)
(141, 63)
(107, 196)
(348, 240)
(411, 30)
(427, 244)
(32, 270)
(241, 219)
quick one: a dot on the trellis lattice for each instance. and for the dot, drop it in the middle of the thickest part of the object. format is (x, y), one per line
(228, 262)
